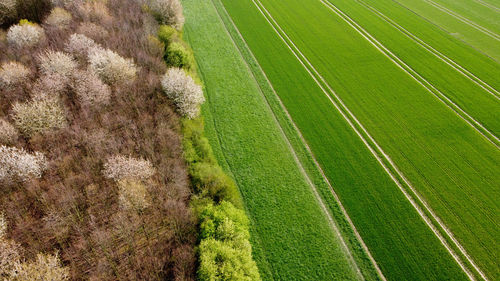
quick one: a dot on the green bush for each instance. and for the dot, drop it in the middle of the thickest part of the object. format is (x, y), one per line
(223, 222)
(195, 145)
(167, 34)
(210, 180)
(178, 55)
(225, 252)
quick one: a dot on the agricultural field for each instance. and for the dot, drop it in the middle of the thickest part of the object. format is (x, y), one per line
(369, 123)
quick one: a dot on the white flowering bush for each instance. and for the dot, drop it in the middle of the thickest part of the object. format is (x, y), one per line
(132, 194)
(186, 94)
(79, 45)
(49, 86)
(25, 35)
(45, 267)
(92, 30)
(17, 164)
(7, 10)
(119, 167)
(59, 17)
(8, 134)
(111, 67)
(90, 90)
(12, 73)
(38, 116)
(51, 62)
(167, 12)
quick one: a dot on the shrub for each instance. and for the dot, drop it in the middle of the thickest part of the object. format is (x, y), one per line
(133, 194)
(45, 267)
(12, 73)
(209, 179)
(167, 34)
(52, 62)
(3, 227)
(223, 222)
(90, 90)
(38, 116)
(24, 35)
(8, 134)
(222, 261)
(195, 145)
(49, 87)
(9, 257)
(59, 17)
(16, 164)
(95, 11)
(79, 45)
(177, 55)
(7, 10)
(110, 66)
(167, 12)
(184, 92)
(119, 167)
(225, 252)
(92, 30)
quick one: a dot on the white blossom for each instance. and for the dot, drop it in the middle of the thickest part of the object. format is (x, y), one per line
(52, 62)
(186, 94)
(25, 35)
(111, 67)
(119, 167)
(15, 163)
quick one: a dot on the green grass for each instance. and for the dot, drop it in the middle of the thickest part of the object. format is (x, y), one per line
(444, 158)
(398, 239)
(483, 106)
(291, 236)
(457, 28)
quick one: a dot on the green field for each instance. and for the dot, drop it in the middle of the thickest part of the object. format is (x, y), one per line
(469, 96)
(291, 236)
(459, 29)
(441, 162)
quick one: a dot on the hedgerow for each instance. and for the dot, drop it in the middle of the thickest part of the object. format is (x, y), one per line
(185, 93)
(167, 12)
(225, 252)
(178, 55)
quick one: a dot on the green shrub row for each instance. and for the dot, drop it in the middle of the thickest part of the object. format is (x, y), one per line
(176, 52)
(224, 252)
(208, 178)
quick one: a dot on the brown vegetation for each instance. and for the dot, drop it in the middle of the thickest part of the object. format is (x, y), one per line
(102, 228)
